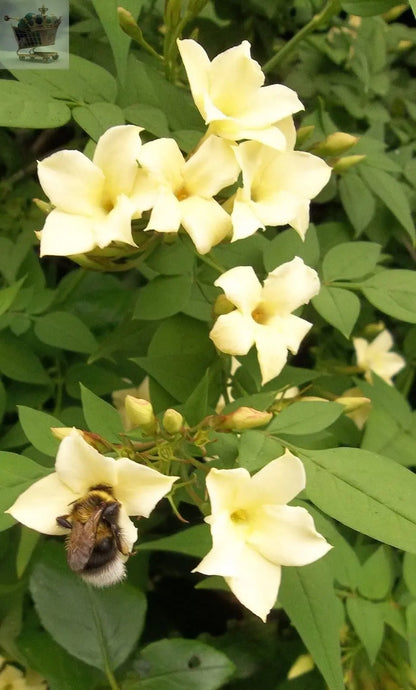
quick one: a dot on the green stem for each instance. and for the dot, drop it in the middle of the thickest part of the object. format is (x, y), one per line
(211, 262)
(330, 8)
(101, 640)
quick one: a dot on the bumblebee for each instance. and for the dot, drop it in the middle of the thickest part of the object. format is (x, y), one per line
(95, 547)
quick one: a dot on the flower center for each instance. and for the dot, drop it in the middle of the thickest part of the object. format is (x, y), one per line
(261, 315)
(239, 516)
(182, 193)
(107, 205)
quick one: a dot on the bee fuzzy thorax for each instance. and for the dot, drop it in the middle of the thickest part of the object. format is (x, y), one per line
(95, 547)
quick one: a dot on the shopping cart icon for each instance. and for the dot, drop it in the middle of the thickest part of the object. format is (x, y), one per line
(34, 30)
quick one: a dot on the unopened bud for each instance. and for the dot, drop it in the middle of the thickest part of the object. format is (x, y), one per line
(94, 440)
(404, 45)
(61, 432)
(335, 144)
(172, 421)
(347, 162)
(243, 418)
(140, 413)
(373, 329)
(352, 403)
(303, 133)
(45, 206)
(222, 305)
(129, 25)
(303, 664)
(394, 12)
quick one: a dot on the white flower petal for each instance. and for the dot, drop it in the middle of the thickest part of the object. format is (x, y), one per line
(235, 79)
(72, 182)
(300, 221)
(166, 213)
(224, 557)
(291, 330)
(290, 285)
(140, 488)
(286, 535)
(241, 287)
(211, 168)
(197, 66)
(80, 467)
(272, 104)
(361, 347)
(64, 234)
(128, 530)
(388, 365)
(233, 333)
(382, 343)
(116, 155)
(116, 225)
(271, 352)
(145, 191)
(40, 505)
(301, 173)
(280, 480)
(257, 583)
(244, 219)
(225, 488)
(205, 221)
(163, 158)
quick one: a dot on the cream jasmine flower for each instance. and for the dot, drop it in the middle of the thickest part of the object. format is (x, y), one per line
(263, 315)
(375, 356)
(230, 96)
(94, 200)
(80, 469)
(254, 532)
(185, 189)
(277, 188)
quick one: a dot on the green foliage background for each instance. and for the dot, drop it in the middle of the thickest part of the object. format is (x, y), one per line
(61, 325)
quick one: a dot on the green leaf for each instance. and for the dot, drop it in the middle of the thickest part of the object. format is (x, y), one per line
(358, 202)
(412, 4)
(367, 620)
(101, 417)
(376, 577)
(288, 244)
(22, 105)
(111, 620)
(389, 399)
(193, 541)
(367, 492)
(164, 296)
(385, 435)
(96, 118)
(19, 362)
(83, 82)
(308, 597)
(17, 473)
(339, 307)
(179, 663)
(37, 427)
(196, 407)
(27, 544)
(411, 631)
(8, 295)
(66, 331)
(393, 292)
(119, 41)
(148, 116)
(391, 193)
(409, 572)
(350, 260)
(256, 449)
(367, 8)
(305, 417)
(166, 258)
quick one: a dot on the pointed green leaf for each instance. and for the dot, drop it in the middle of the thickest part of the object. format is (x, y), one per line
(305, 417)
(367, 620)
(341, 308)
(101, 417)
(66, 331)
(393, 292)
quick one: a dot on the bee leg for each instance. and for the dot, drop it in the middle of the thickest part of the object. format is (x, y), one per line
(63, 521)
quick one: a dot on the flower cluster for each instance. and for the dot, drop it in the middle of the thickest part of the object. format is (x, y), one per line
(95, 201)
(242, 176)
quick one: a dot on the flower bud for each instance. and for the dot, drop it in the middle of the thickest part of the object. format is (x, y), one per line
(303, 664)
(129, 25)
(243, 418)
(61, 432)
(45, 206)
(172, 421)
(140, 413)
(347, 162)
(222, 305)
(94, 440)
(335, 144)
(352, 403)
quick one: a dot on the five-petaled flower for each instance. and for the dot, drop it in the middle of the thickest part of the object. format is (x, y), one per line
(230, 96)
(254, 532)
(95, 201)
(263, 315)
(183, 191)
(376, 356)
(277, 188)
(79, 469)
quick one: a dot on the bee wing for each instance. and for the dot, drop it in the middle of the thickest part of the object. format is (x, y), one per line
(81, 541)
